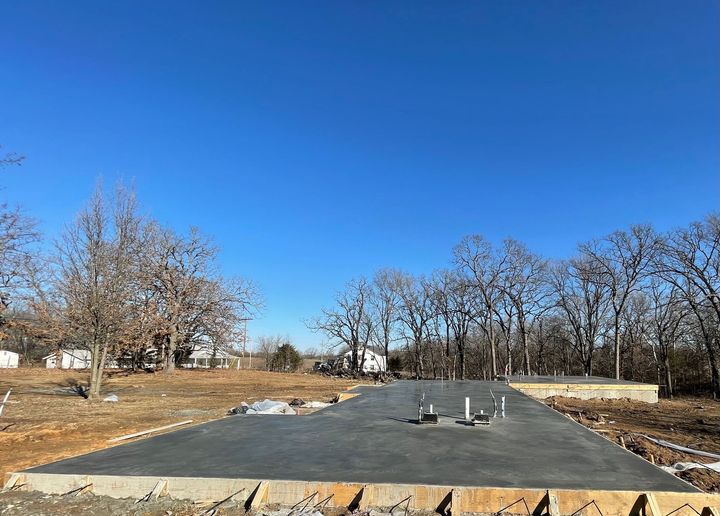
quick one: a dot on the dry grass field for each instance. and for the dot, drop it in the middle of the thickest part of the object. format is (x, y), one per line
(45, 421)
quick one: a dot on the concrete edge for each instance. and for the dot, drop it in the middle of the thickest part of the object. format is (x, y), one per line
(586, 387)
(259, 492)
(610, 441)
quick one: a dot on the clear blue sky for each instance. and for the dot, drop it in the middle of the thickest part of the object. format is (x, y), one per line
(317, 141)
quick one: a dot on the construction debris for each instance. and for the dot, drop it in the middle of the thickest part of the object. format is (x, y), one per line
(316, 404)
(684, 466)
(112, 398)
(684, 449)
(263, 407)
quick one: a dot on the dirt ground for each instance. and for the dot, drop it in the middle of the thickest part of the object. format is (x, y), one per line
(45, 420)
(689, 422)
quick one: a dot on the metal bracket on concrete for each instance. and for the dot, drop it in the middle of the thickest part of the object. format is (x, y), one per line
(14, 481)
(548, 505)
(213, 510)
(258, 497)
(360, 501)
(446, 505)
(305, 502)
(405, 501)
(86, 488)
(480, 419)
(645, 505)
(160, 489)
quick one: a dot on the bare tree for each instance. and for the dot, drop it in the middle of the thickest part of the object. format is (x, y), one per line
(624, 258)
(667, 315)
(18, 234)
(690, 260)
(95, 261)
(349, 321)
(384, 303)
(11, 159)
(476, 255)
(268, 346)
(525, 285)
(416, 312)
(583, 298)
(179, 270)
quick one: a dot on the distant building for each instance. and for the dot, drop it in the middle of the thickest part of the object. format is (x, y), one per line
(8, 359)
(204, 357)
(373, 362)
(68, 359)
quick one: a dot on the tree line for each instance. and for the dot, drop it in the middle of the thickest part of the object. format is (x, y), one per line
(636, 304)
(119, 284)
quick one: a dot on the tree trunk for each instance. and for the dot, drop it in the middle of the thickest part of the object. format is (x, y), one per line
(617, 348)
(526, 350)
(714, 371)
(668, 377)
(172, 346)
(94, 357)
(493, 351)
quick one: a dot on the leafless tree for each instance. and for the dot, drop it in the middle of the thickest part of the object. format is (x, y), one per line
(10, 159)
(667, 315)
(268, 346)
(349, 321)
(416, 312)
(525, 285)
(624, 257)
(384, 303)
(690, 260)
(18, 254)
(583, 298)
(476, 256)
(95, 261)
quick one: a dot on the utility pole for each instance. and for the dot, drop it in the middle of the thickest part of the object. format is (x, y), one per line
(244, 342)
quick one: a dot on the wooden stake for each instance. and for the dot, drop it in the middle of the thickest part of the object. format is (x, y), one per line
(4, 401)
(144, 432)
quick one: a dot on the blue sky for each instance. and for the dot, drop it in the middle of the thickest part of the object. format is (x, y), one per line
(317, 141)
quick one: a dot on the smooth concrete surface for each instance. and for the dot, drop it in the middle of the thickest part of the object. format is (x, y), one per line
(371, 439)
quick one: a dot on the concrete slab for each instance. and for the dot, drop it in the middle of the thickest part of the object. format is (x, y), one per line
(584, 387)
(370, 439)
(573, 380)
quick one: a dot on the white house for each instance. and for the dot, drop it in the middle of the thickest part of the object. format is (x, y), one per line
(69, 359)
(8, 359)
(203, 357)
(373, 362)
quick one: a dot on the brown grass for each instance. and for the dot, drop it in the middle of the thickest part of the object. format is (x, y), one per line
(44, 421)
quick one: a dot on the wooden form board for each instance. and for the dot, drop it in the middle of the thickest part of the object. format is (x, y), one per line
(442, 499)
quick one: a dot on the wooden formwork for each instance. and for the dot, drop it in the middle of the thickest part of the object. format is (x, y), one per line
(441, 499)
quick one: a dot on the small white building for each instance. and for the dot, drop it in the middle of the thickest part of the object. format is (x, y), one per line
(8, 359)
(373, 362)
(69, 359)
(205, 358)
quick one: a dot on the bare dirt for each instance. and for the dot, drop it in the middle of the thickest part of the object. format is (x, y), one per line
(45, 420)
(689, 422)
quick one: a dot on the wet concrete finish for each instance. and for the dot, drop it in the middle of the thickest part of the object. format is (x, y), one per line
(371, 439)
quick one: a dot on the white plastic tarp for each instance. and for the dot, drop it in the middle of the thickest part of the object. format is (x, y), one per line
(684, 466)
(269, 407)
